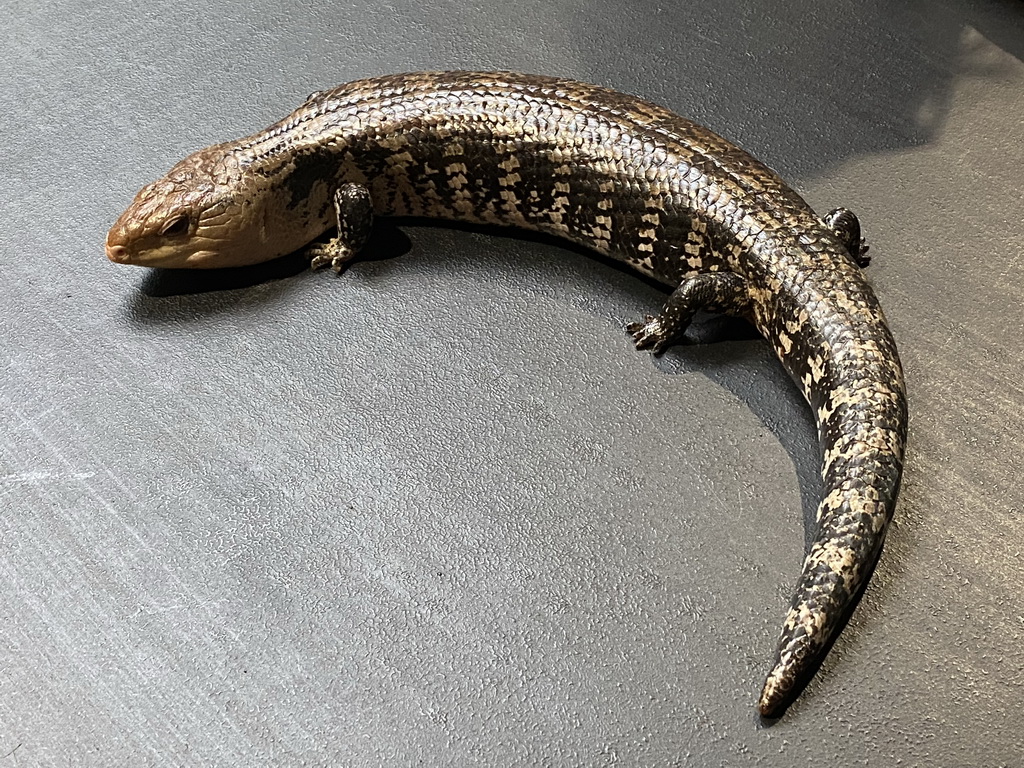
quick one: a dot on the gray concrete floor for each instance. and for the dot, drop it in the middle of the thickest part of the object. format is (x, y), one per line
(437, 511)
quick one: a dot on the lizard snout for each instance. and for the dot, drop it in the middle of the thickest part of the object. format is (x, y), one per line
(118, 253)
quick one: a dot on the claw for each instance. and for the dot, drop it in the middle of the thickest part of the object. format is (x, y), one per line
(320, 259)
(862, 257)
(332, 253)
(648, 334)
(639, 325)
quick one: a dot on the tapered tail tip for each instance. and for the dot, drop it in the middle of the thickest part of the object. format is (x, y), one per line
(776, 695)
(806, 638)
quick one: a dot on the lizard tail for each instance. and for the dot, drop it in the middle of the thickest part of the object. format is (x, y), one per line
(862, 425)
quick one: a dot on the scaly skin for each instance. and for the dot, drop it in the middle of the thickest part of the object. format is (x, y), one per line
(621, 176)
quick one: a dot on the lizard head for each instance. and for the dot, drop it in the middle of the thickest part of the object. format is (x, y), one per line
(198, 215)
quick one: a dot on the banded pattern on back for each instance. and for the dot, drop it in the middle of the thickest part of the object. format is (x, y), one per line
(605, 170)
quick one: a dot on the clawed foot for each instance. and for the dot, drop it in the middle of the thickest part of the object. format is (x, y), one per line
(861, 257)
(720, 291)
(650, 334)
(846, 226)
(331, 252)
(354, 210)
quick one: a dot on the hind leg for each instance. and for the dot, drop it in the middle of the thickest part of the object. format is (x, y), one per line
(714, 291)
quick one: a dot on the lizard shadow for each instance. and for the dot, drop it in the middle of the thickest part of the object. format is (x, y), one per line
(211, 292)
(727, 350)
(386, 242)
(731, 353)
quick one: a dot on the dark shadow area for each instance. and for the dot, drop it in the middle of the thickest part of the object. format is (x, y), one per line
(161, 283)
(1001, 22)
(206, 287)
(732, 354)
(729, 351)
(756, 72)
(519, 235)
(386, 242)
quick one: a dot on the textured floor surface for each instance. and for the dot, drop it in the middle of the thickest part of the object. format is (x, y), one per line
(437, 511)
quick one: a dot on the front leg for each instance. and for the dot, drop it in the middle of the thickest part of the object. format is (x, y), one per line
(716, 291)
(354, 210)
(846, 226)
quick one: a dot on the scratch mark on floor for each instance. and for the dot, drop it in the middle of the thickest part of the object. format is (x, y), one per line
(34, 478)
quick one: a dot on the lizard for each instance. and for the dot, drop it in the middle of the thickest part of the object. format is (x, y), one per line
(622, 177)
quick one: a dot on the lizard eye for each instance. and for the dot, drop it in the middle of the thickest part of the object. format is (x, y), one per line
(176, 226)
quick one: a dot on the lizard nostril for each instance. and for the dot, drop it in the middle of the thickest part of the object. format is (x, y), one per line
(117, 253)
